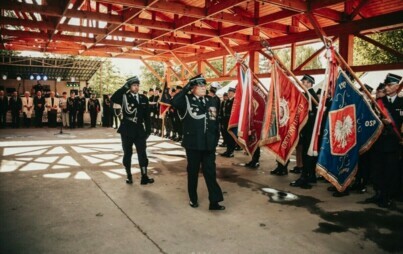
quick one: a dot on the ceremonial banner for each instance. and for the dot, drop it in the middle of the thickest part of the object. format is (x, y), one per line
(292, 113)
(327, 89)
(351, 129)
(251, 114)
(165, 100)
(236, 106)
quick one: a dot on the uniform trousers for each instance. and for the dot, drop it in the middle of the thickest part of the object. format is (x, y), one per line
(228, 138)
(93, 116)
(386, 172)
(72, 118)
(141, 146)
(65, 119)
(52, 115)
(38, 118)
(80, 119)
(205, 159)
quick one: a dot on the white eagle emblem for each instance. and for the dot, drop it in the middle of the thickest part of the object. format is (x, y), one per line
(343, 129)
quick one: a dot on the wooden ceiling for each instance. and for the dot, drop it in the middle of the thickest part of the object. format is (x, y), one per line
(184, 31)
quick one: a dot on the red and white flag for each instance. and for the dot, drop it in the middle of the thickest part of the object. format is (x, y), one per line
(326, 92)
(291, 114)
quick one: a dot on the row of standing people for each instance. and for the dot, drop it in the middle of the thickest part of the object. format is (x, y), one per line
(71, 109)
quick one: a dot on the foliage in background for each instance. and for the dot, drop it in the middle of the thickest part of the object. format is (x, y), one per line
(366, 53)
(147, 78)
(108, 77)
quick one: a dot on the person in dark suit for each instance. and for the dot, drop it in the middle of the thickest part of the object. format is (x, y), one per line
(39, 107)
(15, 106)
(222, 130)
(93, 108)
(80, 109)
(53, 106)
(3, 109)
(87, 91)
(308, 174)
(388, 147)
(106, 111)
(177, 122)
(231, 144)
(200, 138)
(135, 127)
(72, 109)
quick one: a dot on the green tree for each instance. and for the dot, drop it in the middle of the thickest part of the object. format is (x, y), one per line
(366, 53)
(302, 53)
(108, 77)
(148, 79)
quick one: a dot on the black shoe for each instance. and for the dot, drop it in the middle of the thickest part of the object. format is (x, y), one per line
(302, 183)
(216, 207)
(296, 170)
(373, 200)
(282, 172)
(252, 164)
(362, 190)
(179, 139)
(227, 154)
(238, 148)
(341, 194)
(223, 145)
(193, 204)
(275, 171)
(384, 203)
(331, 189)
(146, 180)
(129, 180)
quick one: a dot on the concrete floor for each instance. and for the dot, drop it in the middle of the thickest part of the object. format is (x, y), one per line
(66, 194)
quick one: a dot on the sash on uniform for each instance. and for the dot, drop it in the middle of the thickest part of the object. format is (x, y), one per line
(390, 118)
(351, 129)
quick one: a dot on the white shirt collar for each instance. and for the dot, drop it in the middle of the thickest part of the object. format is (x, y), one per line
(391, 98)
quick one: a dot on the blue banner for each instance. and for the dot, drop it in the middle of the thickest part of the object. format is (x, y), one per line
(351, 129)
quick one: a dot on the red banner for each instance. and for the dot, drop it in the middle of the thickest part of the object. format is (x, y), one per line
(251, 113)
(292, 113)
(236, 107)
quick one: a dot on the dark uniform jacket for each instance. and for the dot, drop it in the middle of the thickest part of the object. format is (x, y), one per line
(40, 101)
(15, 105)
(80, 104)
(4, 104)
(226, 111)
(154, 108)
(306, 132)
(136, 114)
(200, 122)
(388, 141)
(93, 105)
(72, 104)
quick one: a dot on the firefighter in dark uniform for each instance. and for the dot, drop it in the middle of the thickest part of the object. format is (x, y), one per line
(222, 130)
(388, 148)
(201, 134)
(152, 105)
(308, 174)
(39, 107)
(158, 120)
(3, 109)
(225, 119)
(135, 127)
(15, 106)
(80, 109)
(177, 122)
(72, 109)
(106, 109)
(87, 91)
(93, 107)
(168, 120)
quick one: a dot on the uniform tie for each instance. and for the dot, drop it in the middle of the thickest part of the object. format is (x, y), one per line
(390, 100)
(202, 101)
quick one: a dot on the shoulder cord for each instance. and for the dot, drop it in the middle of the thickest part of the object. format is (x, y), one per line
(125, 106)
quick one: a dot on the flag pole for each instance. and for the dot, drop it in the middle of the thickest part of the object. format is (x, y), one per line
(267, 46)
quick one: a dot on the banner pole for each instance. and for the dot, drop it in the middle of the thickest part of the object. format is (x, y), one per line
(267, 46)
